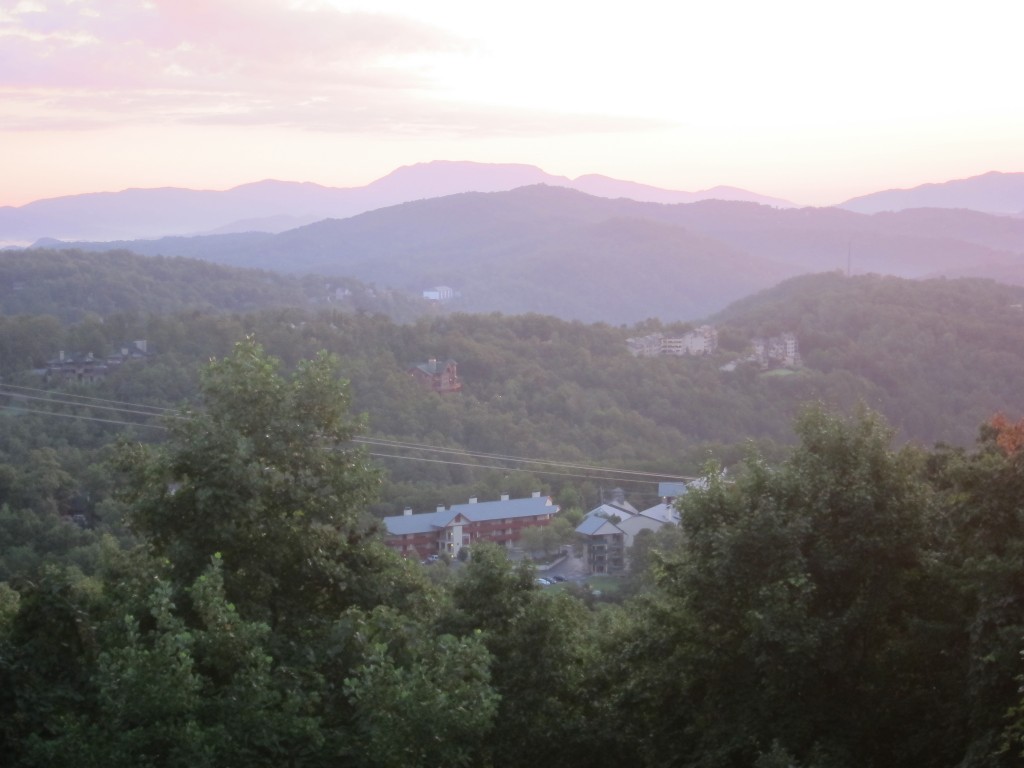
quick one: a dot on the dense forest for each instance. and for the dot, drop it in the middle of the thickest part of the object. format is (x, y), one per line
(850, 605)
(69, 284)
(192, 568)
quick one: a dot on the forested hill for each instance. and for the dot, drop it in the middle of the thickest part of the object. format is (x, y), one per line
(939, 352)
(831, 299)
(561, 252)
(70, 283)
(537, 249)
(937, 358)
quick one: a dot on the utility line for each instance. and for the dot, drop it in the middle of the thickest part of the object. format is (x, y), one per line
(517, 469)
(18, 409)
(369, 441)
(422, 459)
(518, 459)
(81, 405)
(84, 397)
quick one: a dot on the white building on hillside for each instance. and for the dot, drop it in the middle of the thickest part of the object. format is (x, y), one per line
(700, 341)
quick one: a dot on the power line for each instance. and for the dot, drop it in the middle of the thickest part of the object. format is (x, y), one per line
(383, 442)
(386, 442)
(84, 397)
(512, 469)
(18, 409)
(610, 473)
(81, 405)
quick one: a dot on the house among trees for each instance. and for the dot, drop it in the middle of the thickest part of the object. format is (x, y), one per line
(608, 531)
(440, 376)
(449, 529)
(87, 367)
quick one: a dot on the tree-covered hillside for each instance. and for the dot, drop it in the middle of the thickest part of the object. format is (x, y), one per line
(939, 353)
(70, 283)
(848, 604)
(936, 357)
(545, 250)
(558, 251)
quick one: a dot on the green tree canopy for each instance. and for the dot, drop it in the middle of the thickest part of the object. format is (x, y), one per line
(266, 476)
(798, 613)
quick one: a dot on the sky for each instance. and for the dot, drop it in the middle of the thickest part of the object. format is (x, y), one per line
(814, 101)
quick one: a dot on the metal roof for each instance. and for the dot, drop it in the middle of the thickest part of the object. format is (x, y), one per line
(665, 513)
(591, 526)
(474, 512)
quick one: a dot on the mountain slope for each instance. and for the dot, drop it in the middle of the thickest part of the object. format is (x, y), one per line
(942, 355)
(937, 357)
(69, 284)
(561, 252)
(537, 249)
(993, 192)
(915, 243)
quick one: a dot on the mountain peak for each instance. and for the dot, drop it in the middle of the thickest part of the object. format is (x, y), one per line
(446, 177)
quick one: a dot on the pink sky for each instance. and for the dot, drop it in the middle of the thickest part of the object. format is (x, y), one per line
(810, 101)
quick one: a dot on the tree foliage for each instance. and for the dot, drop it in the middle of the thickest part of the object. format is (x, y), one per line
(796, 610)
(839, 603)
(261, 622)
(266, 477)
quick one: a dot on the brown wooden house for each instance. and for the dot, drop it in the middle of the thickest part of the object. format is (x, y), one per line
(437, 375)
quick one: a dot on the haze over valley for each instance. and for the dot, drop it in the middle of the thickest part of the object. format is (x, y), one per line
(551, 249)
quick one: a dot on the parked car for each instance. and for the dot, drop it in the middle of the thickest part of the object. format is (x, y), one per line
(543, 582)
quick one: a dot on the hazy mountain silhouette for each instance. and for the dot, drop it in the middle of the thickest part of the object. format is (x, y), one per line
(994, 192)
(270, 206)
(603, 186)
(561, 252)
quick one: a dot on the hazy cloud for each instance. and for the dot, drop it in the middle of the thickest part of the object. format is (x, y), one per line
(188, 60)
(409, 118)
(68, 64)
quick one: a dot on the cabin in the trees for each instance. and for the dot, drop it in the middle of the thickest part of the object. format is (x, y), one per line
(449, 529)
(437, 375)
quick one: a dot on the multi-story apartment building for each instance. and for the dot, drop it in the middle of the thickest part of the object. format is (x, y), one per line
(449, 529)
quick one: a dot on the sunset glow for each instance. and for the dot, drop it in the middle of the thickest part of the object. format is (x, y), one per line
(808, 101)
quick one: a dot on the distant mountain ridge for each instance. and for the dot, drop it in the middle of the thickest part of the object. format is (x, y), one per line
(562, 252)
(274, 206)
(994, 192)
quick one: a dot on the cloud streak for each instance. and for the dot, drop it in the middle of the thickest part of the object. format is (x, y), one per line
(85, 63)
